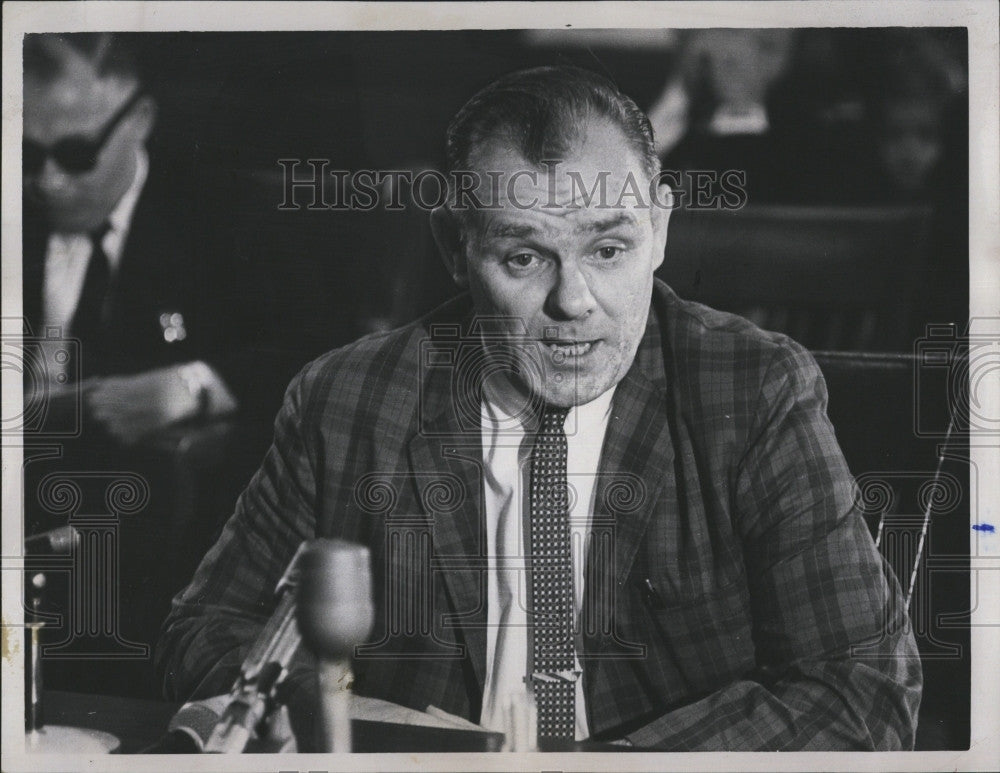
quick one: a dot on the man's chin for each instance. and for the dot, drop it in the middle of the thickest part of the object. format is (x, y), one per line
(571, 392)
(72, 222)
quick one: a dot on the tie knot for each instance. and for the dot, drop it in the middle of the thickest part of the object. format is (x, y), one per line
(98, 234)
(553, 418)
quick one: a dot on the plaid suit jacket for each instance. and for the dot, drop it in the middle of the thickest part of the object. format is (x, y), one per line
(734, 599)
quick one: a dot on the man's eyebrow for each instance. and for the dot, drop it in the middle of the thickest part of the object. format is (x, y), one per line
(500, 229)
(610, 223)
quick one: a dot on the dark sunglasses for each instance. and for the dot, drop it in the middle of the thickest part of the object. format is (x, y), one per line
(75, 153)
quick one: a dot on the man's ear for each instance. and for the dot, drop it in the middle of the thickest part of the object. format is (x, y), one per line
(660, 214)
(445, 227)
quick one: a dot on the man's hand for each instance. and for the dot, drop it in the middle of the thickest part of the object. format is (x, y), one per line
(129, 407)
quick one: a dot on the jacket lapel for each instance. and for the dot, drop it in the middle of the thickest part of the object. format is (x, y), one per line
(34, 244)
(635, 472)
(637, 454)
(448, 449)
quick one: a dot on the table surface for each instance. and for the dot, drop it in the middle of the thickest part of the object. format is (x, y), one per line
(137, 722)
(140, 723)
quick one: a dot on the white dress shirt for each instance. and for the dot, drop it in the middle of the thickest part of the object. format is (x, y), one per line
(68, 255)
(507, 467)
(749, 120)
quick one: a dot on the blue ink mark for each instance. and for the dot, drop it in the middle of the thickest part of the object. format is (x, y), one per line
(987, 527)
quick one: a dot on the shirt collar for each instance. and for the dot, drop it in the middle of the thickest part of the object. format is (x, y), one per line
(597, 410)
(751, 121)
(505, 409)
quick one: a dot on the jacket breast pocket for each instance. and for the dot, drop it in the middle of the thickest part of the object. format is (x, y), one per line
(708, 638)
(678, 575)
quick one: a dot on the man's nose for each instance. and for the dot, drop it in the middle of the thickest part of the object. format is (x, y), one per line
(52, 178)
(571, 297)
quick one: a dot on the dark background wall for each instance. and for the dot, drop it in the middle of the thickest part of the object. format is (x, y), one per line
(235, 103)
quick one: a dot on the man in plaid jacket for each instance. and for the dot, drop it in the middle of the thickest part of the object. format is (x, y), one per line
(731, 596)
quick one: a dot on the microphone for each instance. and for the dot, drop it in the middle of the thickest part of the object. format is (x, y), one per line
(58, 541)
(264, 669)
(335, 614)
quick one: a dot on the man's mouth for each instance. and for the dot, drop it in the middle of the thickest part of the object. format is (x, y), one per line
(565, 349)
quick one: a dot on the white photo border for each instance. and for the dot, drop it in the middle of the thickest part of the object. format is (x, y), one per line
(981, 19)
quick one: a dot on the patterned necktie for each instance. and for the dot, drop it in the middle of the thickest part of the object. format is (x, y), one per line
(553, 676)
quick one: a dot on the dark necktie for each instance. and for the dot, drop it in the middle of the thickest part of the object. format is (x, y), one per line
(88, 317)
(553, 676)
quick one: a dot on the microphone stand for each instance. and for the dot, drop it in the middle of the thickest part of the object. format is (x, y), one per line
(324, 599)
(264, 669)
(51, 739)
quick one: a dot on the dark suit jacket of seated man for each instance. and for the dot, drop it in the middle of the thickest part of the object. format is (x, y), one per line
(730, 597)
(123, 252)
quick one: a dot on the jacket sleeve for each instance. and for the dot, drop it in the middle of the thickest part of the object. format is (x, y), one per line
(837, 665)
(216, 618)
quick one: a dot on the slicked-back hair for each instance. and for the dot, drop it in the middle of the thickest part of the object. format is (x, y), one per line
(112, 55)
(541, 112)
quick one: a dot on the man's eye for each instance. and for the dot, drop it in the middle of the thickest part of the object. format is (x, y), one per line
(609, 253)
(522, 260)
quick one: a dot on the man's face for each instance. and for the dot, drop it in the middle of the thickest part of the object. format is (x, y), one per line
(578, 276)
(81, 103)
(911, 143)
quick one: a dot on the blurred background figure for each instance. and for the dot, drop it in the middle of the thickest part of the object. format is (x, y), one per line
(815, 116)
(844, 125)
(726, 77)
(919, 126)
(916, 110)
(910, 140)
(122, 252)
(118, 249)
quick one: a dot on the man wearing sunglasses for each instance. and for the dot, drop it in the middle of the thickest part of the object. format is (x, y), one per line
(111, 246)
